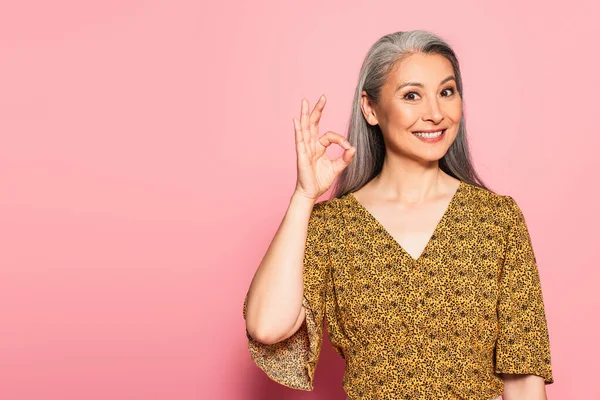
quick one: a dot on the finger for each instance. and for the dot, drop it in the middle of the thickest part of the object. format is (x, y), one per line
(300, 145)
(332, 137)
(327, 139)
(315, 115)
(304, 121)
(344, 160)
(315, 118)
(297, 131)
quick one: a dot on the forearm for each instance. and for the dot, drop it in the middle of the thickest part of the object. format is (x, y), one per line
(523, 387)
(275, 294)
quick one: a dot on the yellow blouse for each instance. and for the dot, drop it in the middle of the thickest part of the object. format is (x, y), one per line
(438, 327)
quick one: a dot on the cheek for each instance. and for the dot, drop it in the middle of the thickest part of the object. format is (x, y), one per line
(404, 116)
(454, 111)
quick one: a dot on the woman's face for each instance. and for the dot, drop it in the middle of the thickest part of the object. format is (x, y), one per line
(419, 95)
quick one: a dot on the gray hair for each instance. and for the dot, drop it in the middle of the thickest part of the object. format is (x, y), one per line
(368, 140)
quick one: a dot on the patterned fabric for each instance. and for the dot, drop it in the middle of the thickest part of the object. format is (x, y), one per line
(495, 398)
(442, 326)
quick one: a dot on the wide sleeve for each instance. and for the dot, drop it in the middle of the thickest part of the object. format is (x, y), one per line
(523, 345)
(292, 362)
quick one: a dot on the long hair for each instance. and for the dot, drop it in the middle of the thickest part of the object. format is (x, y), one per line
(368, 140)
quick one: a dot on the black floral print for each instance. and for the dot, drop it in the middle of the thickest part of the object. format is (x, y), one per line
(442, 326)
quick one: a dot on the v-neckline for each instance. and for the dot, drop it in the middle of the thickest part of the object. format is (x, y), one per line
(436, 230)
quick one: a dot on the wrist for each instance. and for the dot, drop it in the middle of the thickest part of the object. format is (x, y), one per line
(302, 199)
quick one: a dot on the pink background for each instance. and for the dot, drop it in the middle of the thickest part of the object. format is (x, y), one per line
(147, 158)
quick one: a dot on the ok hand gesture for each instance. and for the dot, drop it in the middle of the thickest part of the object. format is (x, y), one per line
(316, 172)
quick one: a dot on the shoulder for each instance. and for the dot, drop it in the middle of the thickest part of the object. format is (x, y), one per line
(325, 214)
(326, 209)
(501, 208)
(513, 213)
(482, 199)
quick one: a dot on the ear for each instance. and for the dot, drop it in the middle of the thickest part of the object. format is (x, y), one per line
(367, 109)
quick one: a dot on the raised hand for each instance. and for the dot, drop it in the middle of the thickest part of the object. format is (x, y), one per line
(316, 172)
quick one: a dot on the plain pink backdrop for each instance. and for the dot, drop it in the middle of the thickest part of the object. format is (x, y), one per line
(147, 158)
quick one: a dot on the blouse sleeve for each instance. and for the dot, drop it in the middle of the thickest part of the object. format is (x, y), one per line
(523, 345)
(292, 362)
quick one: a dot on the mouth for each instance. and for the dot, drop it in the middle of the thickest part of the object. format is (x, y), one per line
(429, 134)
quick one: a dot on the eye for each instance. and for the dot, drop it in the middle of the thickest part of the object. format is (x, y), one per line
(409, 93)
(450, 88)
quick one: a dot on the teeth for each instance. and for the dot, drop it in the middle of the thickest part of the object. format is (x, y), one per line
(428, 135)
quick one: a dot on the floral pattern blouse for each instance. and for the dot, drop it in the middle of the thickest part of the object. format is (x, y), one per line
(442, 326)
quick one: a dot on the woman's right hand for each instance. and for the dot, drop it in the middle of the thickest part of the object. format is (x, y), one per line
(316, 172)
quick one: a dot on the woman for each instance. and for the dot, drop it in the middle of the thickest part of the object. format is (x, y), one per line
(426, 278)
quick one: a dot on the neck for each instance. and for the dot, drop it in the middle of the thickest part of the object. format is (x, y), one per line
(409, 182)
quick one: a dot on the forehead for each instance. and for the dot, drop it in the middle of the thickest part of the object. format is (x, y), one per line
(428, 69)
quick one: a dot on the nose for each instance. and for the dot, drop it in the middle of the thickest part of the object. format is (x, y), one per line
(433, 112)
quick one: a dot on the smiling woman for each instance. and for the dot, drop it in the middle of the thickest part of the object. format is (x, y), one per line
(427, 279)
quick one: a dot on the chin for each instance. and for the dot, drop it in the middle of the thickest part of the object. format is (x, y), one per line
(432, 155)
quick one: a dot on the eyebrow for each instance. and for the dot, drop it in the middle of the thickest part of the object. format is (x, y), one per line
(449, 78)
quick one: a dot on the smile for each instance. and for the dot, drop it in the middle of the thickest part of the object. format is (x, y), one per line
(430, 137)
